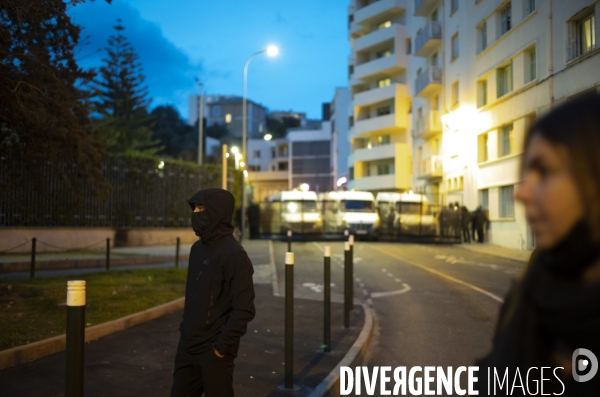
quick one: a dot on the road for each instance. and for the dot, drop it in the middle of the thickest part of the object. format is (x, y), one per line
(434, 305)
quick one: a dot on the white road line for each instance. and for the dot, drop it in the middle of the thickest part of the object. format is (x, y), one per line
(405, 288)
(397, 280)
(390, 275)
(383, 270)
(450, 278)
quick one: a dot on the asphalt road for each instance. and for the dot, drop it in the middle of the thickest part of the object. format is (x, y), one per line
(434, 305)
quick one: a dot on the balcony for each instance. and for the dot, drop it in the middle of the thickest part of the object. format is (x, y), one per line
(355, 29)
(378, 182)
(428, 82)
(394, 32)
(380, 124)
(381, 66)
(366, 14)
(424, 7)
(379, 94)
(375, 153)
(430, 168)
(428, 39)
(428, 125)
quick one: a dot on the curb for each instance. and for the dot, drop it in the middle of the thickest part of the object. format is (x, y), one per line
(33, 351)
(355, 356)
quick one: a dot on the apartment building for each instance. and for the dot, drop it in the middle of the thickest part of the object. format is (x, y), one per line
(481, 72)
(380, 140)
(268, 167)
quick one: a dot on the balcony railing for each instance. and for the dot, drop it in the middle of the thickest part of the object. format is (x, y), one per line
(428, 125)
(431, 76)
(431, 167)
(428, 38)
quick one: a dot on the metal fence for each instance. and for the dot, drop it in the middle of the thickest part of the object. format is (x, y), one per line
(329, 219)
(143, 193)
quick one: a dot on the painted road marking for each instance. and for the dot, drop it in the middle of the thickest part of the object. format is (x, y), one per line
(405, 288)
(316, 287)
(397, 280)
(450, 278)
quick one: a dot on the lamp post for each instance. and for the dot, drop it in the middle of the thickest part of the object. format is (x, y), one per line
(200, 120)
(271, 51)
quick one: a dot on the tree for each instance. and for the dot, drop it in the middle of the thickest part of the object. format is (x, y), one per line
(278, 128)
(178, 138)
(122, 100)
(44, 123)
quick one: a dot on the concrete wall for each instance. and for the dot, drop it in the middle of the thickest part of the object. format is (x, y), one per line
(61, 239)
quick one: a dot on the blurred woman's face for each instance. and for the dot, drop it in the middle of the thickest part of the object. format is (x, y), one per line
(549, 192)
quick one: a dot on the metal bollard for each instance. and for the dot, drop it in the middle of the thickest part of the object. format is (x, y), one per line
(347, 284)
(32, 268)
(177, 253)
(289, 236)
(327, 299)
(289, 320)
(107, 254)
(75, 338)
(351, 241)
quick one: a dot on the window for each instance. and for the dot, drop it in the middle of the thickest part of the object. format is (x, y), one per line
(383, 53)
(351, 173)
(586, 35)
(384, 25)
(350, 70)
(483, 148)
(385, 169)
(482, 93)
(455, 46)
(484, 198)
(384, 82)
(507, 202)
(453, 6)
(529, 6)
(505, 140)
(254, 168)
(531, 68)
(505, 23)
(455, 93)
(383, 111)
(408, 46)
(273, 153)
(434, 15)
(383, 140)
(462, 182)
(483, 36)
(504, 80)
(216, 111)
(434, 59)
(228, 118)
(257, 154)
(282, 166)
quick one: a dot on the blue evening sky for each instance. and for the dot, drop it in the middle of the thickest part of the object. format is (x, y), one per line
(178, 40)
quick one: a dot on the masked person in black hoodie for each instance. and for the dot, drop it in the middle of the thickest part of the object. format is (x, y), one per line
(554, 309)
(219, 301)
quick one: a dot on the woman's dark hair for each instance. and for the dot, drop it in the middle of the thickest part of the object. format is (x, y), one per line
(575, 126)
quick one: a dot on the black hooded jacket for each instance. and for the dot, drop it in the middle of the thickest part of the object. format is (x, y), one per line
(219, 296)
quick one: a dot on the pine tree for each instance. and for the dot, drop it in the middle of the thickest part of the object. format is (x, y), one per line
(121, 99)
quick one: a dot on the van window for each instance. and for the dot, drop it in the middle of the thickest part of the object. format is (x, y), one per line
(358, 205)
(408, 208)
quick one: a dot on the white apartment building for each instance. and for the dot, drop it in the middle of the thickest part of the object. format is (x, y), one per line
(381, 144)
(481, 72)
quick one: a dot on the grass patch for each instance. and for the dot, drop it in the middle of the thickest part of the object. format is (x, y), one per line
(35, 309)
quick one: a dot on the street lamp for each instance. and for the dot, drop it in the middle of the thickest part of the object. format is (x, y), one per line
(271, 51)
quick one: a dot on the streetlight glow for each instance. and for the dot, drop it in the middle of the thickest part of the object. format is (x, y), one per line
(272, 51)
(268, 137)
(242, 164)
(235, 150)
(304, 187)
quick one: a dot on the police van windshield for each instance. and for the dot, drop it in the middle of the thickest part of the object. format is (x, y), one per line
(358, 205)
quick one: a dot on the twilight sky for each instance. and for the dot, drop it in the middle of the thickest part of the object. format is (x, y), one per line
(178, 40)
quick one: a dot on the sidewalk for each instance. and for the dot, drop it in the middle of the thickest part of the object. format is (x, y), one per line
(496, 250)
(139, 361)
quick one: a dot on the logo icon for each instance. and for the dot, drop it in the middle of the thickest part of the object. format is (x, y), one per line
(584, 365)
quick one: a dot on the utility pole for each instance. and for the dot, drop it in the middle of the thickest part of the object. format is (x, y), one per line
(200, 121)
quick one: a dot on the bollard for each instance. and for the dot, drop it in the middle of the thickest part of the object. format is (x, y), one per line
(32, 268)
(327, 299)
(177, 253)
(107, 254)
(289, 236)
(289, 320)
(75, 338)
(351, 241)
(347, 284)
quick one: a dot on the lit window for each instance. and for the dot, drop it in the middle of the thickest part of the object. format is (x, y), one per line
(383, 53)
(482, 91)
(531, 58)
(383, 139)
(384, 25)
(228, 118)
(483, 148)
(586, 34)
(384, 82)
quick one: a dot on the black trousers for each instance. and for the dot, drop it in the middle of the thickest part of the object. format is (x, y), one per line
(202, 373)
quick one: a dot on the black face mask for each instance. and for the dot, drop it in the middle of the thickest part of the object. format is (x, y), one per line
(200, 223)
